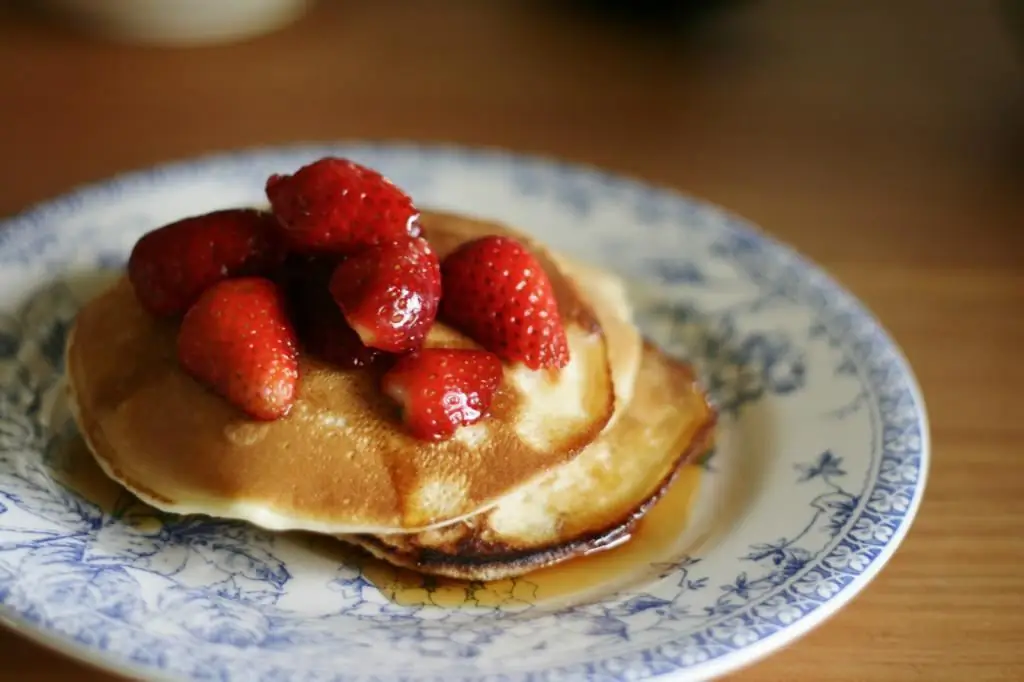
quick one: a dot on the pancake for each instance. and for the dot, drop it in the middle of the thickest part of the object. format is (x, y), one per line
(340, 462)
(590, 503)
(607, 296)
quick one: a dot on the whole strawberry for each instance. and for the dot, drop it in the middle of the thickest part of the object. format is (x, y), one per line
(497, 293)
(389, 293)
(338, 206)
(171, 266)
(322, 329)
(441, 389)
(237, 340)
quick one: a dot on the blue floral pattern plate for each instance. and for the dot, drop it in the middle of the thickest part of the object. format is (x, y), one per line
(819, 465)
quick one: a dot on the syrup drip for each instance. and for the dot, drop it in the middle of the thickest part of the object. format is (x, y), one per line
(79, 472)
(654, 544)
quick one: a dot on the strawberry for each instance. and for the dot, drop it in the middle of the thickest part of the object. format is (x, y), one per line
(389, 293)
(332, 339)
(322, 328)
(171, 266)
(497, 293)
(441, 389)
(337, 206)
(238, 341)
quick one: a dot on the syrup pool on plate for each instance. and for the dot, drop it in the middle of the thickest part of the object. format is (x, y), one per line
(654, 542)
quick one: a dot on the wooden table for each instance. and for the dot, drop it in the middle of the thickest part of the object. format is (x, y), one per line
(884, 139)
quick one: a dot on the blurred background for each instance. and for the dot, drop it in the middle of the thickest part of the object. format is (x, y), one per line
(883, 138)
(785, 110)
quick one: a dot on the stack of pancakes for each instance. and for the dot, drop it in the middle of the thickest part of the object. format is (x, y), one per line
(565, 464)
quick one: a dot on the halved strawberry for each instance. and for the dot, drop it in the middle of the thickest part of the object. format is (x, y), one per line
(323, 330)
(497, 293)
(332, 339)
(441, 389)
(389, 293)
(338, 206)
(237, 340)
(171, 266)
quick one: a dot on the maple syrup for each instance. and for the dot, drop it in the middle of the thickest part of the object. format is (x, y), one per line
(655, 541)
(77, 470)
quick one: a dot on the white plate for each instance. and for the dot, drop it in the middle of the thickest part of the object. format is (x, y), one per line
(820, 464)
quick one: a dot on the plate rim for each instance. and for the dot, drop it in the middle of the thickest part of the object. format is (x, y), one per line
(740, 657)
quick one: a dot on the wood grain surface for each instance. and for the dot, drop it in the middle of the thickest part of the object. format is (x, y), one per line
(883, 139)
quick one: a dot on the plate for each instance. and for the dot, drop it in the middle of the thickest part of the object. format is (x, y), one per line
(818, 469)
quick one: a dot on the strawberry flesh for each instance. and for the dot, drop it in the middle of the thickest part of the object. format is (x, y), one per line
(323, 330)
(331, 339)
(238, 341)
(337, 206)
(389, 293)
(441, 389)
(497, 293)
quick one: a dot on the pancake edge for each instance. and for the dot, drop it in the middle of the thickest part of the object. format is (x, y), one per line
(520, 562)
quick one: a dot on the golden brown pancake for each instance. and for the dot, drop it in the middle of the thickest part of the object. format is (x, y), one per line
(606, 294)
(340, 462)
(585, 505)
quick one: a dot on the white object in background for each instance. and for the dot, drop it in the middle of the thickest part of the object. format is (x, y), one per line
(178, 22)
